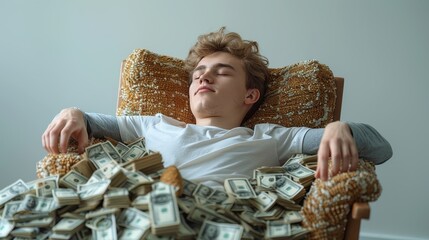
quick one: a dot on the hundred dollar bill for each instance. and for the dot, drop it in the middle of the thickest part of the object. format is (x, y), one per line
(135, 179)
(35, 204)
(292, 217)
(188, 187)
(111, 150)
(141, 202)
(297, 171)
(202, 191)
(288, 188)
(68, 225)
(101, 212)
(5, 227)
(240, 188)
(94, 191)
(268, 181)
(121, 148)
(25, 232)
(132, 233)
(163, 209)
(218, 197)
(277, 229)
(105, 227)
(62, 236)
(66, 196)
(12, 191)
(10, 209)
(264, 201)
(200, 213)
(134, 218)
(140, 142)
(72, 179)
(133, 153)
(220, 231)
(39, 223)
(44, 186)
(98, 155)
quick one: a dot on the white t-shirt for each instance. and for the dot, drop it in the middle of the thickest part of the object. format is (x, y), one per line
(209, 155)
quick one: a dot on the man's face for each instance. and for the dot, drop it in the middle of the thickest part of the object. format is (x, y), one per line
(218, 86)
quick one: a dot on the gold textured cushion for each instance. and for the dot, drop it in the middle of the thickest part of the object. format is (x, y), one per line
(302, 94)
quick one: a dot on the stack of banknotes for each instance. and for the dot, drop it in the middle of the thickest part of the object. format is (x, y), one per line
(116, 193)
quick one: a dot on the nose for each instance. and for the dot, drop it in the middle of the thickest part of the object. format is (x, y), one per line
(207, 76)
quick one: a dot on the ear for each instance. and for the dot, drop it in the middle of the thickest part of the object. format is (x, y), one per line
(252, 96)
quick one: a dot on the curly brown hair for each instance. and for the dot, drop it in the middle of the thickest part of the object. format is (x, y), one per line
(256, 65)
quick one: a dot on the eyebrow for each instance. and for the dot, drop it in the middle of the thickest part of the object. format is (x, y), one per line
(216, 66)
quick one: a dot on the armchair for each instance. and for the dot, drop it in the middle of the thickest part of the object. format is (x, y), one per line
(302, 94)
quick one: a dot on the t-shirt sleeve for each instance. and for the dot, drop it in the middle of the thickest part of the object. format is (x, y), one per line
(289, 141)
(133, 127)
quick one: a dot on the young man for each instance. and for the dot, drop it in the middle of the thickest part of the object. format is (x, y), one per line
(227, 84)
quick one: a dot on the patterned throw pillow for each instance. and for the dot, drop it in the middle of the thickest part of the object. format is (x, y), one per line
(302, 94)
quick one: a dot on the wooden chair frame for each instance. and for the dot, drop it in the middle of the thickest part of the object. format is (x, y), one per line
(359, 210)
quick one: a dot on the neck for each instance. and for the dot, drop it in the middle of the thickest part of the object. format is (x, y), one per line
(219, 122)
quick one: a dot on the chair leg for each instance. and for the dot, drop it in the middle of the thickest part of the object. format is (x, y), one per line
(359, 211)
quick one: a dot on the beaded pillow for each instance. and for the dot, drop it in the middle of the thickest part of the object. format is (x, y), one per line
(302, 94)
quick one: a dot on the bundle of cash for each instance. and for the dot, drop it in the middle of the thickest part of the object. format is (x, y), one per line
(116, 198)
(115, 192)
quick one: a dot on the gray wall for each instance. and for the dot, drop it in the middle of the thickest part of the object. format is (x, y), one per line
(56, 54)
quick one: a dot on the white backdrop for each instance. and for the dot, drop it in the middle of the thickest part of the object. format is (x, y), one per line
(56, 54)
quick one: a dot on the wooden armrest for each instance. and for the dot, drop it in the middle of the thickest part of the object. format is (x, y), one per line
(359, 211)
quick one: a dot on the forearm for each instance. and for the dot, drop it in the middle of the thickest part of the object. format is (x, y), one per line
(370, 144)
(101, 125)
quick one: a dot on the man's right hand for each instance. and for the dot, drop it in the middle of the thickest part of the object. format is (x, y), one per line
(69, 123)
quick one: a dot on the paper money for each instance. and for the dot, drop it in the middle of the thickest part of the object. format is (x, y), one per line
(134, 218)
(112, 151)
(240, 188)
(214, 230)
(132, 233)
(264, 201)
(66, 196)
(277, 230)
(44, 186)
(12, 191)
(72, 179)
(292, 217)
(34, 204)
(289, 188)
(163, 209)
(25, 232)
(5, 227)
(68, 225)
(121, 148)
(45, 222)
(133, 153)
(98, 155)
(105, 227)
(10, 209)
(93, 191)
(95, 202)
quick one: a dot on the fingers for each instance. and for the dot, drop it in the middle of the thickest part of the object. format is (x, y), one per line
(322, 162)
(64, 138)
(68, 124)
(82, 142)
(50, 137)
(339, 146)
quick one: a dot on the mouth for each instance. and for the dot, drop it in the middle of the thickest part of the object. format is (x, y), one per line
(203, 89)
